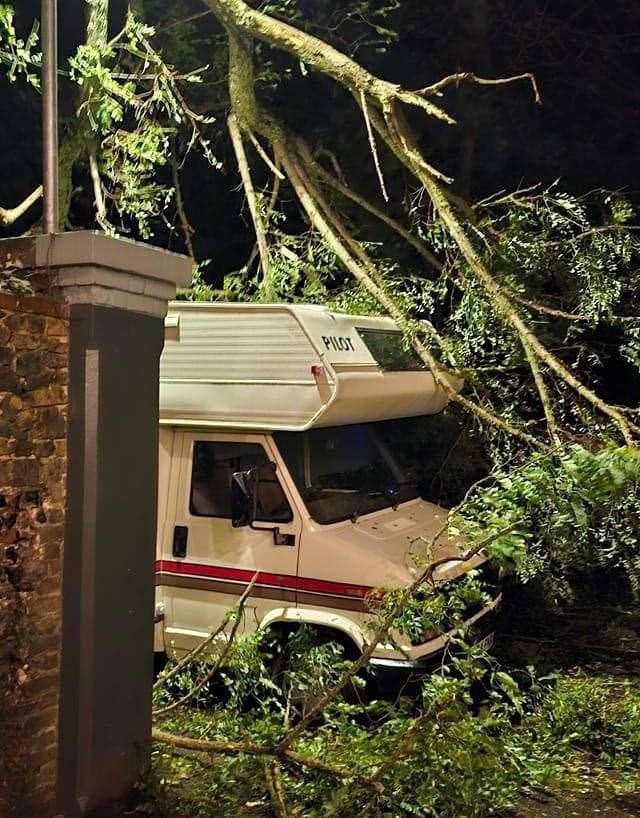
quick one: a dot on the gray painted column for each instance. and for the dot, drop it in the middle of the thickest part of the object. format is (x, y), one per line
(118, 293)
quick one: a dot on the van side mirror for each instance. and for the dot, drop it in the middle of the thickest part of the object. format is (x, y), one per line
(243, 500)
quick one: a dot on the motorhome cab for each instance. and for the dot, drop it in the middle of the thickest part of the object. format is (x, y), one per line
(283, 451)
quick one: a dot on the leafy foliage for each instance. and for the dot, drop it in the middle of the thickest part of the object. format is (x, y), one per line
(528, 734)
(134, 106)
(19, 55)
(561, 518)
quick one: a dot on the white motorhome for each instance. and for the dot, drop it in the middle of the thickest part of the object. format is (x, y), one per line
(280, 454)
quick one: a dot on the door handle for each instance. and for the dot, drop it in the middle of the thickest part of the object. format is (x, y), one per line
(283, 539)
(180, 538)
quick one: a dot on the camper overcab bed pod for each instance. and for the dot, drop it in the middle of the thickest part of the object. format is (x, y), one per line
(283, 451)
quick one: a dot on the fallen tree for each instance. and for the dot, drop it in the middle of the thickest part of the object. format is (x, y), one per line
(505, 292)
(126, 81)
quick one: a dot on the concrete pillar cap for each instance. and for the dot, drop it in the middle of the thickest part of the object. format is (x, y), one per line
(89, 267)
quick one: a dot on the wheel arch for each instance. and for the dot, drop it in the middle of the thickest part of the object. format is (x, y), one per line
(315, 618)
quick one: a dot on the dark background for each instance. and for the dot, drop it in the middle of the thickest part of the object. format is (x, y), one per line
(585, 55)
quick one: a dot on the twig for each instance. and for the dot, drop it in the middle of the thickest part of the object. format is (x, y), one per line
(334, 163)
(372, 145)
(187, 230)
(339, 185)
(184, 20)
(265, 156)
(202, 646)
(469, 76)
(543, 308)
(237, 613)
(607, 228)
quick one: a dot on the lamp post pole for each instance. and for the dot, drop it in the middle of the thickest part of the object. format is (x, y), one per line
(51, 216)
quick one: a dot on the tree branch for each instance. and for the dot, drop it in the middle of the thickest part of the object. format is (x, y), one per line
(101, 208)
(372, 145)
(468, 76)
(273, 781)
(10, 216)
(543, 393)
(265, 157)
(254, 209)
(365, 204)
(363, 275)
(513, 317)
(318, 54)
(255, 748)
(187, 230)
(571, 316)
(407, 152)
(236, 614)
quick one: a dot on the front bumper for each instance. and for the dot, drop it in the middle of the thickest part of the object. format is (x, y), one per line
(429, 655)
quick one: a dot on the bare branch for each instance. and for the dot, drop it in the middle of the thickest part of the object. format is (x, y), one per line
(468, 76)
(10, 216)
(265, 157)
(323, 57)
(341, 187)
(372, 145)
(252, 200)
(187, 230)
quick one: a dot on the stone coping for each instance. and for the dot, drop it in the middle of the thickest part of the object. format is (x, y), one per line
(89, 267)
(90, 247)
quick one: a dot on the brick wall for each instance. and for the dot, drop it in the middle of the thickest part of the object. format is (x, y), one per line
(33, 412)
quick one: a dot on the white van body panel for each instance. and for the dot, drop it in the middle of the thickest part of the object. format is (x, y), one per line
(253, 366)
(234, 374)
(200, 588)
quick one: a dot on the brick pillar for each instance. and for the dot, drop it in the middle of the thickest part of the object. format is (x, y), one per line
(116, 293)
(33, 410)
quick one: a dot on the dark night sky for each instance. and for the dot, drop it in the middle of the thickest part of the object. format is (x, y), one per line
(586, 59)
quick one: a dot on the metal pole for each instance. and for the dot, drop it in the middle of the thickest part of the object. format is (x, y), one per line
(50, 115)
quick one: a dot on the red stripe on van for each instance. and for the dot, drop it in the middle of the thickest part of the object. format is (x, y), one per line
(317, 586)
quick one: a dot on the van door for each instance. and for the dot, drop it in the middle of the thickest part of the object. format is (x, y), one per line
(207, 563)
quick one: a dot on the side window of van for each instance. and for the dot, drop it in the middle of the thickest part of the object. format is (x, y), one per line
(213, 466)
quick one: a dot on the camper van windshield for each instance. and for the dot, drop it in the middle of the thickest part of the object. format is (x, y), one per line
(344, 472)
